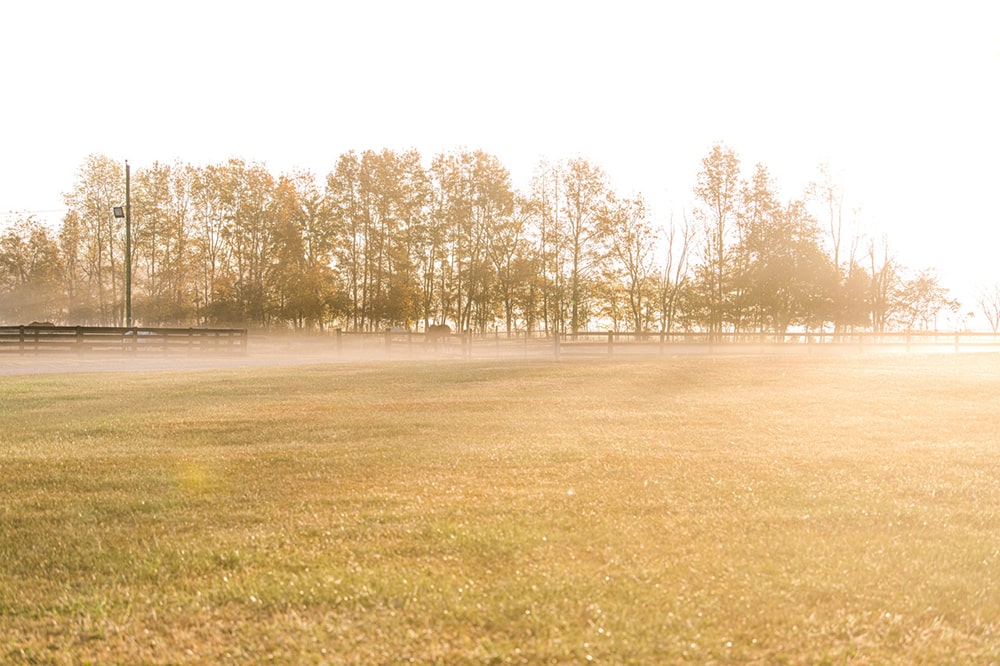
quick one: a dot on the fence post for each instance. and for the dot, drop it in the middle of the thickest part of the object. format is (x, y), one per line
(340, 342)
(20, 339)
(388, 341)
(611, 343)
(555, 338)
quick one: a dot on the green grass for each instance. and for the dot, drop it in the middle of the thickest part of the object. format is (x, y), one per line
(728, 510)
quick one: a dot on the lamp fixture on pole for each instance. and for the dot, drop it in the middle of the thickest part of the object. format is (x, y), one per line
(126, 212)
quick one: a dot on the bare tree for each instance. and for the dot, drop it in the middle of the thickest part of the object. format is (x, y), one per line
(883, 281)
(674, 275)
(989, 302)
(831, 197)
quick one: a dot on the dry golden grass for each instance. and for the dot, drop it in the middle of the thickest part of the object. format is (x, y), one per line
(704, 510)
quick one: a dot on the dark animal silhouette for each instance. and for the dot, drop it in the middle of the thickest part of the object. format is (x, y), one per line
(436, 333)
(42, 324)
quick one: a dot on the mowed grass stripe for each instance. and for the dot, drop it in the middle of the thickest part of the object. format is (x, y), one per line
(740, 510)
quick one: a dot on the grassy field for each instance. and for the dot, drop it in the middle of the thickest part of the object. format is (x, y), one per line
(795, 510)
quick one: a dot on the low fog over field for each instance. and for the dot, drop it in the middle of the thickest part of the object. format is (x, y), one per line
(290, 350)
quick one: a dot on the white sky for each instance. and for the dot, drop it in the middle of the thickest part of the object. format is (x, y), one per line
(901, 99)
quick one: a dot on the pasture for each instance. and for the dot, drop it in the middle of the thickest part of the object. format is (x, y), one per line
(739, 509)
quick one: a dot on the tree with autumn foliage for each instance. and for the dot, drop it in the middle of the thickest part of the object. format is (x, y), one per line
(631, 242)
(385, 240)
(30, 272)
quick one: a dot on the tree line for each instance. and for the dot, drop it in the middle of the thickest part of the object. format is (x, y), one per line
(389, 240)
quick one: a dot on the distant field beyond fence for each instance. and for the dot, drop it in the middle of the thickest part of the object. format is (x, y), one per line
(45, 339)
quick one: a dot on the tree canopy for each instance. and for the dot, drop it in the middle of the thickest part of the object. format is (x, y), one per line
(387, 239)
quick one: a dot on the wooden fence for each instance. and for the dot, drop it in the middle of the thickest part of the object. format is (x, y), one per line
(607, 343)
(33, 339)
(45, 339)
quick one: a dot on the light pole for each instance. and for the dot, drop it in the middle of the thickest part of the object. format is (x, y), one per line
(127, 214)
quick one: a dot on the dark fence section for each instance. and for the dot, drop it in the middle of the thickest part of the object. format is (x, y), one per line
(44, 339)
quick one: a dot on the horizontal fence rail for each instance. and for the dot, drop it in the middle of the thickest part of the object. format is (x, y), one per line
(104, 339)
(610, 343)
(40, 339)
